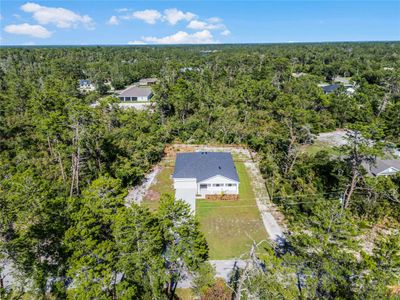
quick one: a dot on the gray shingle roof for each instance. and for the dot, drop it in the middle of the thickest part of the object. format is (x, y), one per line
(136, 92)
(330, 88)
(203, 165)
(84, 82)
(382, 165)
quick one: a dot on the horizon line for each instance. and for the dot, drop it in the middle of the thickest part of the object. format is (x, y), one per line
(199, 45)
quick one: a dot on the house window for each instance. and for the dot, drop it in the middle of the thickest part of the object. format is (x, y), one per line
(203, 186)
(230, 184)
(217, 184)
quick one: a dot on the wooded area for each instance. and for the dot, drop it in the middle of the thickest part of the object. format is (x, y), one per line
(65, 168)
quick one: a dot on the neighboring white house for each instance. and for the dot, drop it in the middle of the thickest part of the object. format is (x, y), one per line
(198, 174)
(147, 81)
(383, 167)
(134, 93)
(86, 85)
(331, 88)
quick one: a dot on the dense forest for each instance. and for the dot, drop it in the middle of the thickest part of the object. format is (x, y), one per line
(65, 168)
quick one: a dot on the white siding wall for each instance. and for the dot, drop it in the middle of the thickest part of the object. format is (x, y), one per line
(225, 185)
(185, 189)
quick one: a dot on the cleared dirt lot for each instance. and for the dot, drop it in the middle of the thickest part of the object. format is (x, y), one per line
(229, 226)
(333, 138)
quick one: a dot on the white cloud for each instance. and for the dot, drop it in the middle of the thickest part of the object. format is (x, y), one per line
(136, 42)
(214, 20)
(200, 25)
(113, 20)
(149, 16)
(225, 32)
(37, 31)
(122, 9)
(60, 17)
(182, 37)
(173, 16)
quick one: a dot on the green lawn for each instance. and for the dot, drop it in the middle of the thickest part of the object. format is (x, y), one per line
(317, 146)
(162, 185)
(184, 294)
(229, 226)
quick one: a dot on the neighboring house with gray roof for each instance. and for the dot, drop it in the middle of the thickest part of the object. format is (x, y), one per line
(332, 88)
(147, 81)
(383, 167)
(204, 173)
(86, 85)
(134, 93)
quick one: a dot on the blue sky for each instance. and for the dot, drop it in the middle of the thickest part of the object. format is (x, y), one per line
(76, 22)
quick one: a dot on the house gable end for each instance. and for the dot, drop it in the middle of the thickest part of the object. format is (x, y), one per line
(216, 176)
(388, 171)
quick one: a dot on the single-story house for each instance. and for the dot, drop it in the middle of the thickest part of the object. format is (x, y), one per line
(331, 88)
(86, 85)
(147, 81)
(135, 93)
(198, 174)
(383, 167)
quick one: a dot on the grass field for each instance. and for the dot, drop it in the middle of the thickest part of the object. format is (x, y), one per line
(229, 226)
(317, 146)
(184, 294)
(163, 185)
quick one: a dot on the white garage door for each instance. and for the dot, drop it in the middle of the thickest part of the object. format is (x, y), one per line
(187, 195)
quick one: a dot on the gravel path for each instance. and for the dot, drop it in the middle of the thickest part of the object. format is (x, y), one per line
(265, 206)
(223, 269)
(8, 273)
(136, 194)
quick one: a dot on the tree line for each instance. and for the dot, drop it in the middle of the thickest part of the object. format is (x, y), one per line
(65, 167)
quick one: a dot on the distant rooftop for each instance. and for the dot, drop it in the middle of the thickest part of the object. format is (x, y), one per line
(297, 75)
(148, 80)
(382, 165)
(204, 165)
(330, 88)
(344, 80)
(84, 82)
(135, 91)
